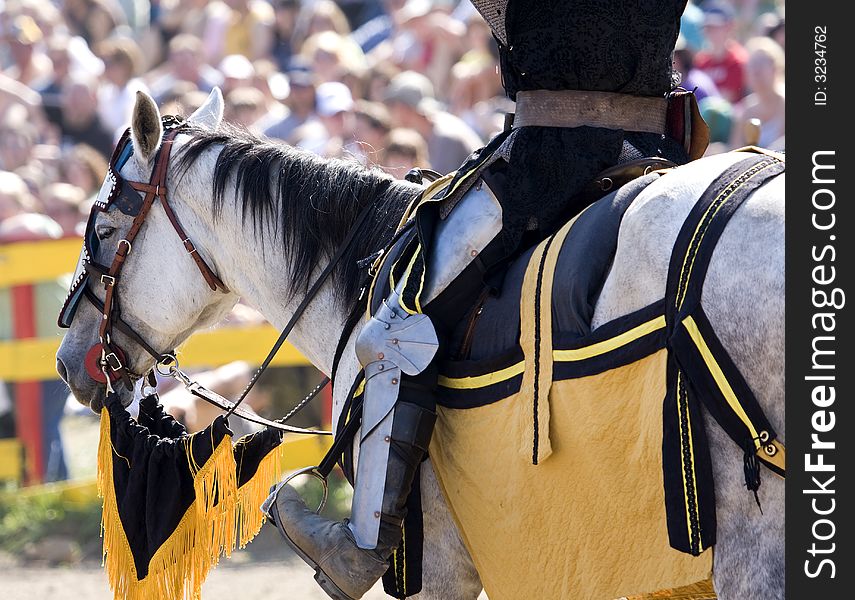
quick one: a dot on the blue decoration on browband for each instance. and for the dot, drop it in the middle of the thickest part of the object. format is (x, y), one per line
(127, 151)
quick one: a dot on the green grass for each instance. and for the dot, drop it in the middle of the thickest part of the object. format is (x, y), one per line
(28, 519)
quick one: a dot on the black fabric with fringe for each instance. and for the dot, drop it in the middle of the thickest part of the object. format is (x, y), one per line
(175, 502)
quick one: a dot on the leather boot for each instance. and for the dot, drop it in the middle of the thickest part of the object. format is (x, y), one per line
(344, 570)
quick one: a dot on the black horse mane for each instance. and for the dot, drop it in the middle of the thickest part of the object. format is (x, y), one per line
(312, 202)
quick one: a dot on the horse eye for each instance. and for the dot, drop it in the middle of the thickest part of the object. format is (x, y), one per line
(105, 232)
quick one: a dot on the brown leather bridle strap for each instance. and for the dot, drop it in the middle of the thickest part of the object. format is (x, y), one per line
(155, 189)
(152, 191)
(211, 279)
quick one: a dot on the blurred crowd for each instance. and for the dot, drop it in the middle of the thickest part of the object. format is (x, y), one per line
(392, 83)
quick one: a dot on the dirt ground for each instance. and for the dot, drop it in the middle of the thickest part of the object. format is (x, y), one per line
(283, 577)
(266, 570)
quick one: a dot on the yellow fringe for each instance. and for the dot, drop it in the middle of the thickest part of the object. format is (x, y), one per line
(206, 530)
(252, 494)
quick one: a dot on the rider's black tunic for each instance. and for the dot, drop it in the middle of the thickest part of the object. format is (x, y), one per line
(601, 45)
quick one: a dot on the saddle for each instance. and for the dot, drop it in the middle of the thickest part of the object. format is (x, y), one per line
(504, 353)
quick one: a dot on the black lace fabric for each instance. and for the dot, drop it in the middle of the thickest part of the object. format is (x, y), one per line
(620, 46)
(605, 45)
(548, 166)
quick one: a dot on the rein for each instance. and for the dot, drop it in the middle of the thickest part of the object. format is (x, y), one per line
(106, 363)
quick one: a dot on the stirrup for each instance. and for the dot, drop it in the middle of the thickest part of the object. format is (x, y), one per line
(313, 471)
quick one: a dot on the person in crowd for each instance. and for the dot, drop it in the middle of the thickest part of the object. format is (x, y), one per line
(371, 128)
(117, 93)
(377, 79)
(474, 78)
(300, 103)
(692, 78)
(274, 88)
(724, 57)
(186, 63)
(63, 202)
(379, 28)
(244, 106)
(81, 122)
(765, 103)
(411, 102)
(18, 137)
(405, 149)
(93, 20)
(30, 65)
(85, 168)
(243, 27)
(57, 50)
(22, 216)
(692, 26)
(237, 71)
(285, 20)
(718, 115)
(320, 16)
(332, 54)
(335, 114)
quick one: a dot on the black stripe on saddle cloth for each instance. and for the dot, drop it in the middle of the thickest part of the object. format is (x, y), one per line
(700, 370)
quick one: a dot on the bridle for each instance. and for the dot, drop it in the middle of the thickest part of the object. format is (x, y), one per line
(106, 362)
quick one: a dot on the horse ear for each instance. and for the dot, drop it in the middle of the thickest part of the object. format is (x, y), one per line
(146, 128)
(210, 114)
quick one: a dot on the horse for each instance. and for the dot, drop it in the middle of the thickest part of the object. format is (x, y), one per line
(267, 218)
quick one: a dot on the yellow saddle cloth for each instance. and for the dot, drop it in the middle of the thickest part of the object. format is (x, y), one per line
(558, 489)
(589, 522)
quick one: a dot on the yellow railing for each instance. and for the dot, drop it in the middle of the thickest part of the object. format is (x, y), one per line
(34, 262)
(33, 359)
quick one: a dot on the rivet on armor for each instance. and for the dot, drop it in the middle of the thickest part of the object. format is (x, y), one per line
(771, 450)
(381, 367)
(395, 341)
(394, 382)
(380, 356)
(376, 514)
(386, 439)
(474, 253)
(764, 436)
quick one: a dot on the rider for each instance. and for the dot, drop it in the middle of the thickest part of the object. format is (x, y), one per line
(590, 82)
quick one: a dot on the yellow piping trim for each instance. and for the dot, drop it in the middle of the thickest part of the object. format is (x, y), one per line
(577, 354)
(479, 381)
(718, 375)
(695, 478)
(406, 280)
(611, 344)
(691, 265)
(682, 462)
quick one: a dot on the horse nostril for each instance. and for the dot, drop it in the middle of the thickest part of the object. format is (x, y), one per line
(62, 370)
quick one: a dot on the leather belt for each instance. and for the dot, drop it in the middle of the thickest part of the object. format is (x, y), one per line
(574, 108)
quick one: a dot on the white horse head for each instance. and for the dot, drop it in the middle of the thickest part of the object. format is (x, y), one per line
(162, 295)
(265, 217)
